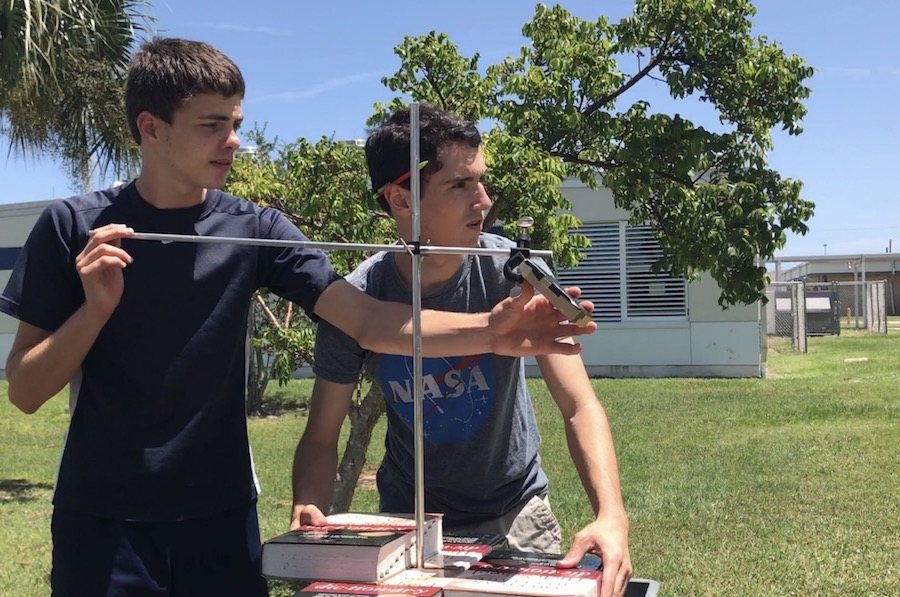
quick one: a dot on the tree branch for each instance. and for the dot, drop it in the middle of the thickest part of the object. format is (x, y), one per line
(605, 100)
(287, 318)
(499, 200)
(268, 312)
(575, 159)
(672, 178)
(437, 90)
(660, 224)
(656, 61)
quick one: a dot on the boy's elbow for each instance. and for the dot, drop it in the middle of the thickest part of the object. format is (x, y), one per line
(364, 331)
(21, 402)
(19, 394)
(366, 339)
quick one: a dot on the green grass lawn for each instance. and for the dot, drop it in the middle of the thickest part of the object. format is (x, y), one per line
(781, 486)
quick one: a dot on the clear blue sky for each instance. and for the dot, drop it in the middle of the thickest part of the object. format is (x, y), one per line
(314, 69)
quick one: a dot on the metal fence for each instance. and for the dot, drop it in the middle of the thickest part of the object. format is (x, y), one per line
(828, 307)
(863, 305)
(783, 310)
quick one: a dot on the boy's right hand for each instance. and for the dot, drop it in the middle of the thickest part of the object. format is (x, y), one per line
(100, 267)
(529, 325)
(306, 514)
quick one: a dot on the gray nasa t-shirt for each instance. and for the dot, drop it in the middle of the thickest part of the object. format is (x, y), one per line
(481, 437)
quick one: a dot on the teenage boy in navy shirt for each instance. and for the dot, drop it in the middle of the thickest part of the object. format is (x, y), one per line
(156, 493)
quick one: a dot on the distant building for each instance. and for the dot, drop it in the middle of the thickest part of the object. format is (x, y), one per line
(868, 267)
(16, 221)
(649, 325)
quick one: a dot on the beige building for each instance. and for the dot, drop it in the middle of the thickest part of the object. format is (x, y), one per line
(649, 325)
(16, 220)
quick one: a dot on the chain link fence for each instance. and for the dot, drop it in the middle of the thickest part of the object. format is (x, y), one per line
(827, 308)
(863, 305)
(783, 312)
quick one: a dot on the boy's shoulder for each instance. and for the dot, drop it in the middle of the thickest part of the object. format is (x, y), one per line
(228, 203)
(372, 268)
(489, 240)
(79, 210)
(92, 200)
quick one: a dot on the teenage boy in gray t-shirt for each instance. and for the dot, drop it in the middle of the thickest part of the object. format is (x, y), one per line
(482, 468)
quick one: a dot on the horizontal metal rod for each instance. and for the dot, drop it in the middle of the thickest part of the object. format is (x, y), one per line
(274, 242)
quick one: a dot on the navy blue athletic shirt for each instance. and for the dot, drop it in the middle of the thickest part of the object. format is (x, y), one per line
(158, 429)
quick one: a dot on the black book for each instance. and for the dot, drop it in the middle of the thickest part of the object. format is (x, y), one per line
(460, 551)
(524, 580)
(511, 557)
(351, 547)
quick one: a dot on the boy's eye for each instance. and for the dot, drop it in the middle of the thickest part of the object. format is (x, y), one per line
(217, 124)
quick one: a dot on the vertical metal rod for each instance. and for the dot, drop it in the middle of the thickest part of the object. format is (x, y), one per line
(418, 384)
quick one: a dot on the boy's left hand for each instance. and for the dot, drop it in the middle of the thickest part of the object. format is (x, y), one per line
(607, 536)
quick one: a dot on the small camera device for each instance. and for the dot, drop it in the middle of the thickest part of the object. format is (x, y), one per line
(544, 282)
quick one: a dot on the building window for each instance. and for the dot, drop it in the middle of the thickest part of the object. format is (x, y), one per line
(620, 282)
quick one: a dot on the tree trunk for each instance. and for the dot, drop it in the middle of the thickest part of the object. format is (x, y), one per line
(258, 371)
(257, 379)
(362, 421)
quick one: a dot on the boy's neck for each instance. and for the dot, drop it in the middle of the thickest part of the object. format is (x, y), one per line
(436, 269)
(164, 194)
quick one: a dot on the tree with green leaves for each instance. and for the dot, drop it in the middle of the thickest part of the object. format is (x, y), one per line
(570, 103)
(62, 64)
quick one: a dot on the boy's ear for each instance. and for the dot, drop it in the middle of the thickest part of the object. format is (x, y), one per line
(398, 199)
(146, 125)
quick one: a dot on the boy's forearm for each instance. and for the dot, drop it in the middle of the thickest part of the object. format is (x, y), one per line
(520, 327)
(313, 475)
(443, 332)
(591, 447)
(588, 434)
(37, 372)
(387, 327)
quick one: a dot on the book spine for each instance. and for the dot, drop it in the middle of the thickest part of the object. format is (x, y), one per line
(332, 588)
(487, 567)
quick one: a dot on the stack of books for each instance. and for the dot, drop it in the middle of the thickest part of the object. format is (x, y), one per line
(375, 555)
(525, 580)
(481, 581)
(347, 589)
(510, 557)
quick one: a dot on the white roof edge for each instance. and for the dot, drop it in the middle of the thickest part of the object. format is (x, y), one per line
(28, 207)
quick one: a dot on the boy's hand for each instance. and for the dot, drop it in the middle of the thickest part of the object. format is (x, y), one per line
(607, 536)
(100, 267)
(529, 325)
(306, 514)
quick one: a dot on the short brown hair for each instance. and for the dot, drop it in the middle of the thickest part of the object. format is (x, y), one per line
(167, 71)
(387, 148)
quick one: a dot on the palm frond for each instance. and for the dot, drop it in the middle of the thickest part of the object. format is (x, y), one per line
(62, 67)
